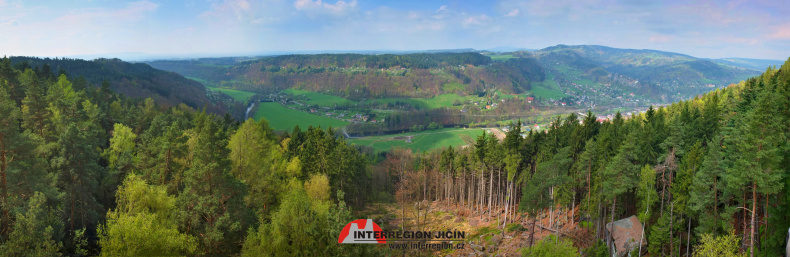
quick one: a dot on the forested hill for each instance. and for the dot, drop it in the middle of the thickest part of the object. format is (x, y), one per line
(357, 76)
(130, 79)
(650, 72)
(590, 74)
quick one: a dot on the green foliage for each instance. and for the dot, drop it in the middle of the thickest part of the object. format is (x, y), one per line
(724, 246)
(646, 192)
(211, 205)
(515, 227)
(598, 249)
(550, 247)
(296, 228)
(142, 224)
(255, 157)
(33, 232)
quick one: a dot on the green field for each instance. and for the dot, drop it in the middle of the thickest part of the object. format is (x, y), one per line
(502, 57)
(283, 118)
(238, 95)
(319, 99)
(547, 89)
(443, 100)
(421, 141)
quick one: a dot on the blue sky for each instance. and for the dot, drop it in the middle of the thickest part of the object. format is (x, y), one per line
(711, 29)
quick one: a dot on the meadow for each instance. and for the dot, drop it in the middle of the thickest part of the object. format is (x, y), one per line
(237, 95)
(501, 57)
(283, 118)
(547, 89)
(421, 141)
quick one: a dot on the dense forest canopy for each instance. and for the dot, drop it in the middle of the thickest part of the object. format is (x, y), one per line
(87, 171)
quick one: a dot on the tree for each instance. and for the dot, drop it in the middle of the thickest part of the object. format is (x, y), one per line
(296, 228)
(254, 157)
(21, 171)
(551, 247)
(120, 156)
(34, 231)
(35, 115)
(756, 163)
(76, 164)
(721, 246)
(706, 192)
(142, 224)
(211, 204)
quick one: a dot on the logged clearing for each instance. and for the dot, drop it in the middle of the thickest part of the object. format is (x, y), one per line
(484, 235)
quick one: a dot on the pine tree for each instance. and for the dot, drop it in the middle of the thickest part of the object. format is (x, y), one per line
(211, 202)
(34, 231)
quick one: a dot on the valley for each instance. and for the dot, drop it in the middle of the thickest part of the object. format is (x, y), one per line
(449, 90)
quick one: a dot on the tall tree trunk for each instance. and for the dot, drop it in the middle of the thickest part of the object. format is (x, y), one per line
(3, 171)
(532, 233)
(754, 213)
(688, 238)
(611, 234)
(663, 189)
(490, 191)
(715, 208)
(671, 241)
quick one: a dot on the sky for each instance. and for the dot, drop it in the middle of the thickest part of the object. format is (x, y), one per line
(708, 29)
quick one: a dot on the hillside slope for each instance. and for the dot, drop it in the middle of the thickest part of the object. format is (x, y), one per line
(664, 75)
(358, 76)
(135, 80)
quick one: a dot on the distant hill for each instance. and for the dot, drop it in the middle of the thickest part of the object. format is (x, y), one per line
(577, 75)
(358, 76)
(665, 75)
(136, 80)
(755, 64)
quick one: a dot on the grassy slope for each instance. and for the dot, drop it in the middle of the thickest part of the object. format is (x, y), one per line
(318, 98)
(422, 141)
(547, 89)
(282, 118)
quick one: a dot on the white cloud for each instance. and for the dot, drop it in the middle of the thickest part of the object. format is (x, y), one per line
(319, 7)
(475, 20)
(240, 12)
(781, 32)
(512, 13)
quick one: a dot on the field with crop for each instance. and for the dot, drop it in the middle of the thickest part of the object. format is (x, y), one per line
(283, 118)
(421, 141)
